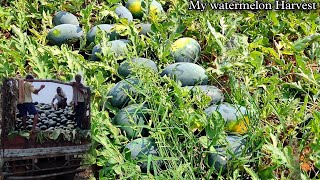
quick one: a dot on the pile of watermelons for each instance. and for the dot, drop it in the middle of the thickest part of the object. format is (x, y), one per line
(49, 119)
(131, 118)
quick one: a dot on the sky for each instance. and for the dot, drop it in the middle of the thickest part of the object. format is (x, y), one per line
(46, 95)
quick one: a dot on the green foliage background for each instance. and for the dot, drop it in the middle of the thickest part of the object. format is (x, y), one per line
(267, 61)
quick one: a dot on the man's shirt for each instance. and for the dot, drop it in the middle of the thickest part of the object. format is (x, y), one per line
(59, 97)
(77, 95)
(28, 90)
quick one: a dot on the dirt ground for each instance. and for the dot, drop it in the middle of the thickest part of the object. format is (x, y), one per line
(86, 175)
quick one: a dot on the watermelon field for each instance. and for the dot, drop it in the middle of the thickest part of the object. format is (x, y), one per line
(178, 93)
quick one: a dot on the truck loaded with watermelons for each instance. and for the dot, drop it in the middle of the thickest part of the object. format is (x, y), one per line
(57, 147)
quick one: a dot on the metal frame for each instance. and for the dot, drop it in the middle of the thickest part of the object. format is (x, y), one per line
(23, 154)
(71, 165)
(44, 176)
(3, 118)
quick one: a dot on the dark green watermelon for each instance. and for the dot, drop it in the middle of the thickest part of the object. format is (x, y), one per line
(112, 34)
(144, 28)
(186, 50)
(117, 48)
(229, 112)
(123, 12)
(119, 97)
(130, 116)
(140, 149)
(219, 159)
(96, 49)
(125, 67)
(235, 116)
(64, 34)
(63, 17)
(125, 41)
(213, 92)
(189, 74)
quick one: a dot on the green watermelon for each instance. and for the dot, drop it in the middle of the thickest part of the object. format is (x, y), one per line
(117, 48)
(113, 35)
(125, 41)
(213, 92)
(186, 50)
(155, 10)
(123, 12)
(220, 158)
(64, 34)
(144, 28)
(140, 149)
(119, 93)
(63, 17)
(135, 7)
(130, 116)
(189, 74)
(235, 116)
(125, 67)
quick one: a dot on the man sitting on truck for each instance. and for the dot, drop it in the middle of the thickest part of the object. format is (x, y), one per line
(28, 106)
(78, 100)
(61, 98)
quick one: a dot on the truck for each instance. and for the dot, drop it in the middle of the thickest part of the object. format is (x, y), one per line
(59, 147)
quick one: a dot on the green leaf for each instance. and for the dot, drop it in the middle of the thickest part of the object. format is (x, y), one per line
(204, 141)
(301, 44)
(253, 175)
(268, 173)
(273, 16)
(149, 162)
(271, 51)
(256, 59)
(24, 134)
(55, 134)
(219, 38)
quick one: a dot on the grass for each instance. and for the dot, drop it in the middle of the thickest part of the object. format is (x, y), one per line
(266, 61)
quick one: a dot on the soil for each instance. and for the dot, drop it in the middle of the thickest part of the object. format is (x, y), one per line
(86, 175)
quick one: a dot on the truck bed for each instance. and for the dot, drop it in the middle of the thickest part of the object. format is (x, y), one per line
(47, 152)
(18, 148)
(19, 142)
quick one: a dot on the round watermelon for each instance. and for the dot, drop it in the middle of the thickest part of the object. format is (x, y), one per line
(235, 116)
(123, 12)
(63, 17)
(189, 74)
(144, 28)
(213, 92)
(220, 158)
(117, 48)
(131, 116)
(112, 34)
(125, 67)
(119, 94)
(135, 7)
(125, 41)
(155, 10)
(185, 50)
(140, 149)
(64, 34)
